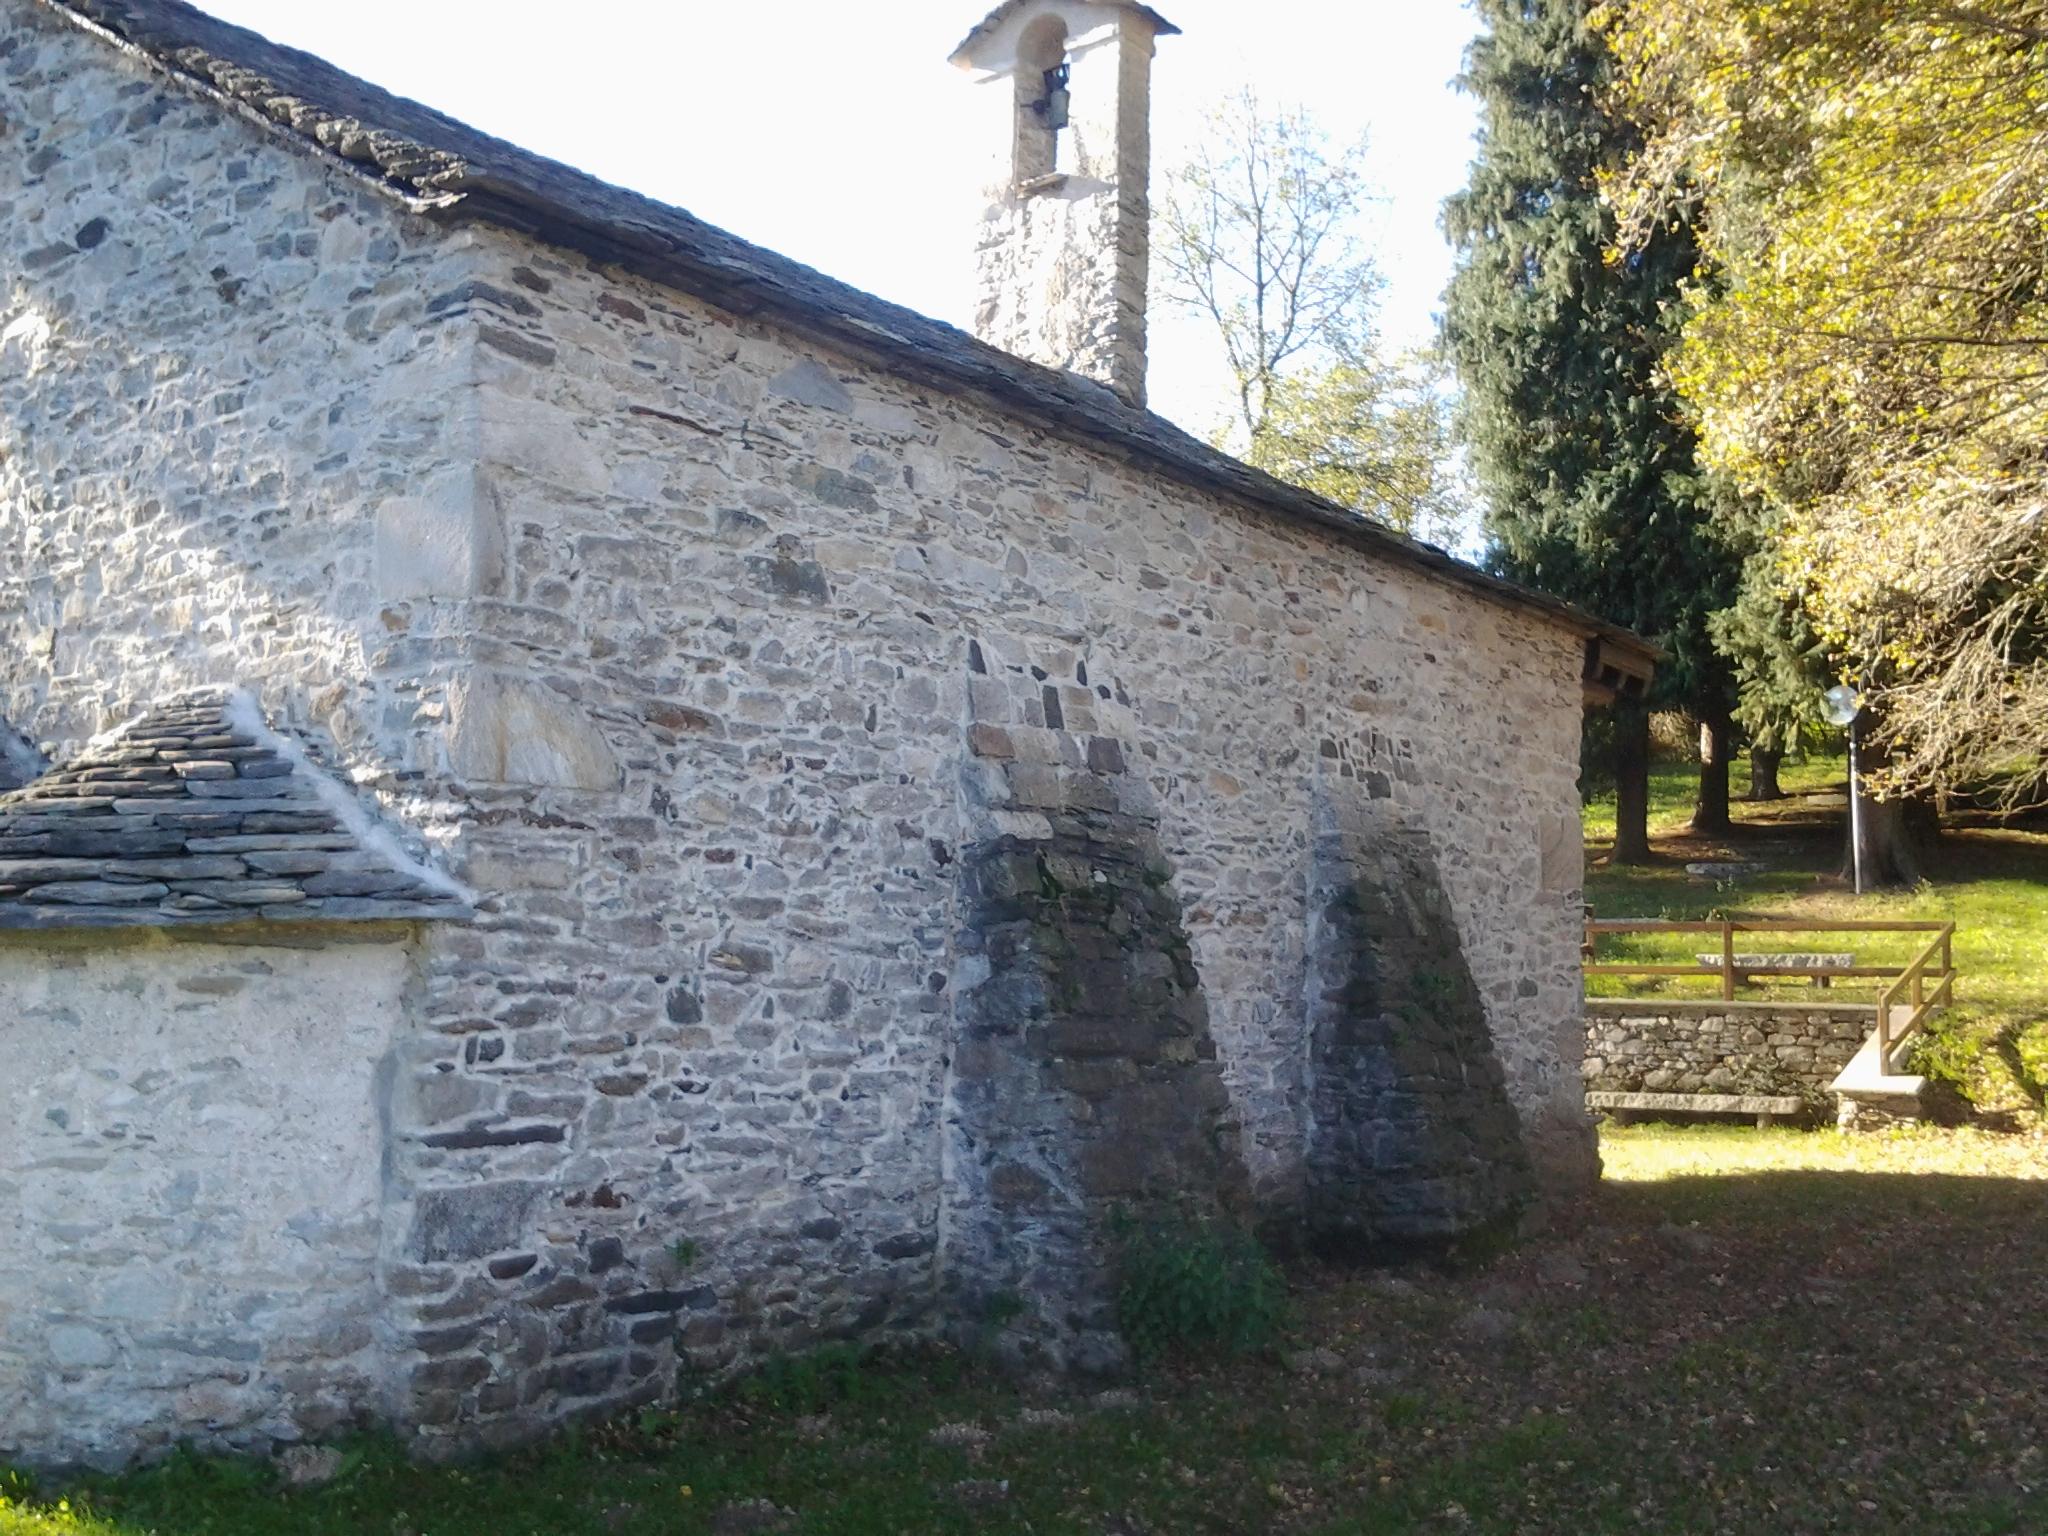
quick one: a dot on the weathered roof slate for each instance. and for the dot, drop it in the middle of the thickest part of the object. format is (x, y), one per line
(445, 169)
(198, 812)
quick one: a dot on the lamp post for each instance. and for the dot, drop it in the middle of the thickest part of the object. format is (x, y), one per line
(1842, 707)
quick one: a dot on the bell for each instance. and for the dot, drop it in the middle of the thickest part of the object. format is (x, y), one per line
(1052, 111)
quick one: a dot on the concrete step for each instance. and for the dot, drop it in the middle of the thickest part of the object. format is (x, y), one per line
(1870, 1096)
(1867, 1076)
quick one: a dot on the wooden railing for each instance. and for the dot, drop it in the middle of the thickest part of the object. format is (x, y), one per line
(1928, 979)
(1925, 999)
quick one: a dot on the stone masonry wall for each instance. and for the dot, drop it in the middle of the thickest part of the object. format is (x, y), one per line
(231, 378)
(190, 1189)
(751, 578)
(224, 373)
(661, 624)
(1664, 1047)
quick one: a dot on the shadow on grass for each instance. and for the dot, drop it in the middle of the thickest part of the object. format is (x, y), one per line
(2006, 1046)
(1797, 1210)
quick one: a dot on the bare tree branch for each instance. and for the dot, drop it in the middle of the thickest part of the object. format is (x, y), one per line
(1258, 234)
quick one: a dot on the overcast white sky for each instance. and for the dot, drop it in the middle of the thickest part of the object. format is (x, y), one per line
(831, 131)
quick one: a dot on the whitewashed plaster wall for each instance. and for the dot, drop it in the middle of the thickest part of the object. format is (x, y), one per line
(191, 1192)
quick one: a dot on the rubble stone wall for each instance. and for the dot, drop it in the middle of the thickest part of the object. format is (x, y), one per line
(1646, 1046)
(226, 374)
(1411, 1136)
(1083, 1089)
(234, 396)
(671, 631)
(762, 595)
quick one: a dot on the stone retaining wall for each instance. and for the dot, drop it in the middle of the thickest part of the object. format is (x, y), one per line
(1662, 1046)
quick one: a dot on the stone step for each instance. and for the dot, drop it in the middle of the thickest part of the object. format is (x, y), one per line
(1869, 1095)
(1868, 1077)
(1765, 1106)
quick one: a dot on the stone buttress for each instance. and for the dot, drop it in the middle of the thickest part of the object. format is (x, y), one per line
(1084, 1082)
(1411, 1134)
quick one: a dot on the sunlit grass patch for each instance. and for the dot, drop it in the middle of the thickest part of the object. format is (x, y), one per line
(22, 1513)
(1992, 883)
(1646, 1153)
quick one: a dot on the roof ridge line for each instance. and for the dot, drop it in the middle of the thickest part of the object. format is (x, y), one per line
(241, 709)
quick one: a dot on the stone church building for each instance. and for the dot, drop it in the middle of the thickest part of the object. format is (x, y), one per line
(585, 804)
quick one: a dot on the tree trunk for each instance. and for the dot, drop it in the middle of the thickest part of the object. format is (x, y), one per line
(1763, 774)
(1710, 810)
(1897, 834)
(1631, 784)
(1891, 850)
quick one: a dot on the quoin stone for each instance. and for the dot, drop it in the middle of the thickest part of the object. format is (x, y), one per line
(584, 805)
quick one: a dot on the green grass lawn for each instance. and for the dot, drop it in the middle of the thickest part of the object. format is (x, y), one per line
(1991, 882)
(1674, 784)
(1744, 1330)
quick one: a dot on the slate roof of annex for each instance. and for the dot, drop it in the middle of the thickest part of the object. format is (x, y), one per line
(188, 814)
(444, 169)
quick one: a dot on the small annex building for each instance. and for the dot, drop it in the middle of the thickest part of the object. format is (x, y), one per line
(581, 803)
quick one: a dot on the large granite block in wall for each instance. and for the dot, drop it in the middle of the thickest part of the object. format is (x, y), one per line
(1412, 1137)
(1084, 1078)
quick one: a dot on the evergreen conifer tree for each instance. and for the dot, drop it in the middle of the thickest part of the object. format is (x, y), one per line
(1577, 441)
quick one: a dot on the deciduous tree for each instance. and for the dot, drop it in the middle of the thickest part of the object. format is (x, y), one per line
(1871, 359)
(1261, 234)
(1372, 435)
(1259, 231)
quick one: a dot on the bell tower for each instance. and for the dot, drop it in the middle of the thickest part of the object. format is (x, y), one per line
(1060, 260)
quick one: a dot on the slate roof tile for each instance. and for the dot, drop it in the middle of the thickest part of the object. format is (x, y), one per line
(199, 812)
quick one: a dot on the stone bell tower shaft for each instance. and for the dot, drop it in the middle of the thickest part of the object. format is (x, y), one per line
(1065, 239)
